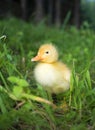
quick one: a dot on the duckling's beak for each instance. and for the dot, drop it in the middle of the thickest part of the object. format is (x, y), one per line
(36, 58)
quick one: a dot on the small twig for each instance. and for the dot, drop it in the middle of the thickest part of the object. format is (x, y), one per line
(20, 104)
(39, 99)
(45, 101)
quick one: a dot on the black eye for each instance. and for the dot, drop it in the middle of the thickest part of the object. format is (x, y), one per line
(47, 52)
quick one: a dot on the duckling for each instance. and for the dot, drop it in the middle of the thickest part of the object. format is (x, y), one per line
(51, 74)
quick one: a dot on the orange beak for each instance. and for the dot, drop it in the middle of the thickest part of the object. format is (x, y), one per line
(36, 58)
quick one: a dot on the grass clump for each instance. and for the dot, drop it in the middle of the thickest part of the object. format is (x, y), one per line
(23, 103)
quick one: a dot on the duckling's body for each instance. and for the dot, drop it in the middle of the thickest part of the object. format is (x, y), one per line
(54, 76)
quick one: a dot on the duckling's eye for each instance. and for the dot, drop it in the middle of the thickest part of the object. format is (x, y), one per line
(47, 52)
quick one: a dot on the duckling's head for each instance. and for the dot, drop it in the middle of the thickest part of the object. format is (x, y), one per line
(47, 53)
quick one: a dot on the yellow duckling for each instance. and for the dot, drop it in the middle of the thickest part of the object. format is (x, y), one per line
(52, 75)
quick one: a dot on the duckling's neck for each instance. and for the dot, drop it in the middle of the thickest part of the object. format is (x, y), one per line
(53, 62)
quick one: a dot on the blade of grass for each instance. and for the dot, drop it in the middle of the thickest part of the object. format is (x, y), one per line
(4, 81)
(2, 106)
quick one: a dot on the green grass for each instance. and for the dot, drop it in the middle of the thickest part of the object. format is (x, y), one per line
(24, 105)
